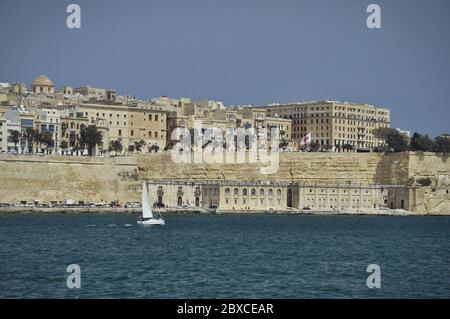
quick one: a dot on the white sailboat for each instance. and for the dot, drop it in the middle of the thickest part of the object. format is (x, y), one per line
(147, 214)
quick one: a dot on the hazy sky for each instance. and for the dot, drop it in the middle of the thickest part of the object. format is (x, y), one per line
(242, 52)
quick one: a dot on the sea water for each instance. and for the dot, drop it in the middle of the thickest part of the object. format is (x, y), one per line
(224, 256)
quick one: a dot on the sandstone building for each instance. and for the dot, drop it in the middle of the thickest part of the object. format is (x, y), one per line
(334, 124)
(274, 196)
(214, 115)
(124, 123)
(123, 118)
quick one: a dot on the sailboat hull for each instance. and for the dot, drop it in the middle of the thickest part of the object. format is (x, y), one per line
(147, 214)
(152, 221)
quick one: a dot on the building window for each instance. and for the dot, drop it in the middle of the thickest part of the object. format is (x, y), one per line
(132, 133)
(149, 117)
(120, 132)
(156, 117)
(244, 192)
(253, 192)
(236, 192)
(227, 191)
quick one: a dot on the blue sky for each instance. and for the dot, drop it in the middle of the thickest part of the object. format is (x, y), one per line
(242, 52)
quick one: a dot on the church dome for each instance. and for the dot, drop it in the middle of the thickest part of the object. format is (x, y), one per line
(42, 80)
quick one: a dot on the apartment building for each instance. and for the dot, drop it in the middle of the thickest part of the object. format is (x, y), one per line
(125, 123)
(49, 120)
(334, 123)
(258, 118)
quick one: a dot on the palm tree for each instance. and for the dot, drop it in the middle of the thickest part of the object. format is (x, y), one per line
(15, 137)
(139, 145)
(73, 138)
(90, 137)
(64, 145)
(314, 146)
(283, 143)
(37, 139)
(154, 148)
(347, 147)
(29, 136)
(46, 138)
(116, 146)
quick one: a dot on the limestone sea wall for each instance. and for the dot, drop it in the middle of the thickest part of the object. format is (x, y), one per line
(435, 198)
(422, 165)
(98, 179)
(57, 178)
(357, 168)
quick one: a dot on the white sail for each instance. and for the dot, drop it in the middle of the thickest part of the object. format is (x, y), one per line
(146, 210)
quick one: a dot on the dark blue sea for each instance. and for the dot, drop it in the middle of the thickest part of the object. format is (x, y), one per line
(224, 256)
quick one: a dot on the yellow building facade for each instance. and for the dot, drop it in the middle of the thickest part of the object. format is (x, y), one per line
(334, 123)
(127, 124)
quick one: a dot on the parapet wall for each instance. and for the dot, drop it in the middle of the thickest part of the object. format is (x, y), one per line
(58, 178)
(355, 168)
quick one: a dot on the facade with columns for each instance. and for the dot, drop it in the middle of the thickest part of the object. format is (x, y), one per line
(342, 197)
(176, 194)
(275, 196)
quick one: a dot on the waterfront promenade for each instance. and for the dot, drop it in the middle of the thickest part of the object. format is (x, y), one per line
(122, 210)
